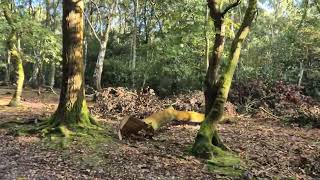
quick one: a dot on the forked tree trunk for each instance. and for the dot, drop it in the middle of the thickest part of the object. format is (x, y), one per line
(213, 65)
(203, 145)
(214, 61)
(102, 52)
(72, 109)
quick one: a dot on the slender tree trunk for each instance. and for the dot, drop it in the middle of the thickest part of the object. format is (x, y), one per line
(51, 20)
(207, 39)
(8, 69)
(72, 110)
(52, 74)
(34, 77)
(134, 41)
(300, 73)
(102, 52)
(203, 145)
(99, 64)
(85, 41)
(302, 68)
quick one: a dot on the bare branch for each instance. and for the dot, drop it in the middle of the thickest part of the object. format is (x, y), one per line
(92, 28)
(233, 5)
(99, 15)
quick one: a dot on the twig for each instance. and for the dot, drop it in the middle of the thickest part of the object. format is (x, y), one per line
(269, 113)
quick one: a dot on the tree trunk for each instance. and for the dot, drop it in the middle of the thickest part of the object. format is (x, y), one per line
(134, 41)
(52, 75)
(203, 146)
(102, 52)
(34, 77)
(214, 61)
(19, 72)
(207, 39)
(13, 45)
(85, 61)
(8, 70)
(72, 110)
(99, 65)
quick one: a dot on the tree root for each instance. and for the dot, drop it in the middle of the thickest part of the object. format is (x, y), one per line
(14, 103)
(67, 130)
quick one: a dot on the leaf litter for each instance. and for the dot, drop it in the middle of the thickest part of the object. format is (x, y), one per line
(271, 148)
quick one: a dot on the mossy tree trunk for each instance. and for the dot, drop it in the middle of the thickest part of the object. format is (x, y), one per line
(72, 111)
(13, 46)
(211, 80)
(207, 135)
(214, 61)
(19, 73)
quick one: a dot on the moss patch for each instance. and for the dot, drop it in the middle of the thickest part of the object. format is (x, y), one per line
(90, 150)
(227, 164)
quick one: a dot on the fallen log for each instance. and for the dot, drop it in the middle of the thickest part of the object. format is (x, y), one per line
(132, 125)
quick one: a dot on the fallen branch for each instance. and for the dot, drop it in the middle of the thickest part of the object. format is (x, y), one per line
(132, 125)
(272, 115)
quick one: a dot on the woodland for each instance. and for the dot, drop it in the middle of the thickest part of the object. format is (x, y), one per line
(160, 89)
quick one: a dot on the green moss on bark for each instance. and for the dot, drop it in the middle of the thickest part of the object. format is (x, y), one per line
(16, 98)
(67, 123)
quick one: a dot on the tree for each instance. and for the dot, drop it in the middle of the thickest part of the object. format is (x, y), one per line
(212, 77)
(103, 41)
(134, 40)
(205, 143)
(14, 53)
(72, 111)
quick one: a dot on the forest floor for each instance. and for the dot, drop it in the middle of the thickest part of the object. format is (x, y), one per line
(270, 148)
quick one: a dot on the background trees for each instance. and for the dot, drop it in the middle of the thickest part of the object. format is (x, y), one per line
(170, 42)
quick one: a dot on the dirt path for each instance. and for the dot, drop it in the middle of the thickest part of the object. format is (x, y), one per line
(272, 149)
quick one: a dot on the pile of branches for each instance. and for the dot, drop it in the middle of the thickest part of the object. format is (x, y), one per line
(123, 101)
(280, 100)
(142, 103)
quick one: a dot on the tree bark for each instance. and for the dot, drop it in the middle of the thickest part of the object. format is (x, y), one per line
(72, 110)
(19, 73)
(203, 146)
(214, 61)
